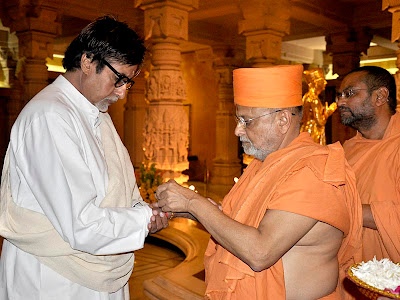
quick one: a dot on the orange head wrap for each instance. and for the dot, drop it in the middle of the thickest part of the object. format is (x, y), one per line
(274, 87)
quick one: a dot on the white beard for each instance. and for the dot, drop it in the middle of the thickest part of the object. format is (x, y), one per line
(252, 150)
(103, 104)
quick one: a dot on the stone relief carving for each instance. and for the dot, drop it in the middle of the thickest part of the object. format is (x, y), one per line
(165, 137)
(166, 85)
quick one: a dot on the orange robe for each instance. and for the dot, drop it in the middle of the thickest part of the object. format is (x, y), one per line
(376, 164)
(304, 178)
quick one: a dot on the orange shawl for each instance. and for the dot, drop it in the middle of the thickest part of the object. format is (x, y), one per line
(376, 165)
(264, 185)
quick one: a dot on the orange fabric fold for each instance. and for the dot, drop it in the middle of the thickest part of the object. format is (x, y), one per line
(376, 164)
(287, 180)
(273, 87)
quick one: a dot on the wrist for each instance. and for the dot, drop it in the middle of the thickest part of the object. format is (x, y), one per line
(193, 203)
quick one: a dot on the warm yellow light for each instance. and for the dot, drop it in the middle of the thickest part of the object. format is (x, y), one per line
(235, 179)
(192, 187)
(54, 64)
(368, 61)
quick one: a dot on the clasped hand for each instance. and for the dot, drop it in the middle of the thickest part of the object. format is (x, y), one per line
(173, 197)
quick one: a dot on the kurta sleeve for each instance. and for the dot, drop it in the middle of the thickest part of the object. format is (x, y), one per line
(51, 159)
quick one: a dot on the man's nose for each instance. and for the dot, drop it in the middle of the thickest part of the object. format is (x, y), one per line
(239, 130)
(121, 91)
(340, 100)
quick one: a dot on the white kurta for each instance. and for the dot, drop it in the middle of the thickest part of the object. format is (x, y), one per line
(57, 168)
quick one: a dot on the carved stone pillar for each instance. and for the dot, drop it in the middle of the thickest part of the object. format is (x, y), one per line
(10, 80)
(394, 8)
(14, 101)
(346, 48)
(226, 163)
(166, 125)
(265, 23)
(135, 108)
(11, 91)
(35, 24)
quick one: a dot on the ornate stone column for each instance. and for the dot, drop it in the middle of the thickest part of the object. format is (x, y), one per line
(10, 81)
(135, 108)
(166, 125)
(265, 23)
(10, 93)
(226, 163)
(346, 48)
(35, 23)
(394, 8)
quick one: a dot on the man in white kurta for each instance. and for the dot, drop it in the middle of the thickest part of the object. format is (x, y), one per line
(57, 168)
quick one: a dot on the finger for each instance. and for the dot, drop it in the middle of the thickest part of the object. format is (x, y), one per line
(159, 224)
(164, 221)
(152, 227)
(161, 204)
(155, 212)
(159, 190)
(154, 205)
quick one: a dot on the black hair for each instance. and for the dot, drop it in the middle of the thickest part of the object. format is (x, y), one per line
(105, 39)
(377, 77)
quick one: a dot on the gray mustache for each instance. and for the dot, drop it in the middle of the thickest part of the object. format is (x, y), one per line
(342, 108)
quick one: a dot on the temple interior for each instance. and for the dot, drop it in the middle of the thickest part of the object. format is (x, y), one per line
(179, 115)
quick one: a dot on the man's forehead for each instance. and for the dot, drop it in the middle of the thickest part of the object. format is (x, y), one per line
(352, 80)
(245, 110)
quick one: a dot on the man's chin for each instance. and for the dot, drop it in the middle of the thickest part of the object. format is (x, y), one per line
(347, 121)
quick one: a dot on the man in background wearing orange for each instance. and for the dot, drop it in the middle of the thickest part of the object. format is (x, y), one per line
(292, 223)
(367, 103)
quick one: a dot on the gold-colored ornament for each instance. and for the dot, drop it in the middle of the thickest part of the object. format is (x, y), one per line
(315, 114)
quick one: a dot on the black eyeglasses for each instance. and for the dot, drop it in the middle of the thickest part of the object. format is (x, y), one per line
(347, 93)
(121, 79)
(244, 123)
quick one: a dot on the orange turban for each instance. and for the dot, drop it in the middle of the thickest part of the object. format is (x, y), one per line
(274, 87)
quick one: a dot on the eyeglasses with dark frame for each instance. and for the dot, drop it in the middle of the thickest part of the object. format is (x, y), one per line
(347, 93)
(244, 123)
(121, 79)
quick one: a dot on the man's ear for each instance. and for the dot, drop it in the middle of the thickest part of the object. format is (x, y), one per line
(381, 96)
(284, 121)
(86, 63)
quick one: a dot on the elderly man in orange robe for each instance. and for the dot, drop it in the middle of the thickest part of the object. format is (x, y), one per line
(367, 102)
(292, 223)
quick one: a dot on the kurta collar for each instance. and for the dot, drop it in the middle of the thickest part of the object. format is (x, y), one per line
(80, 101)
